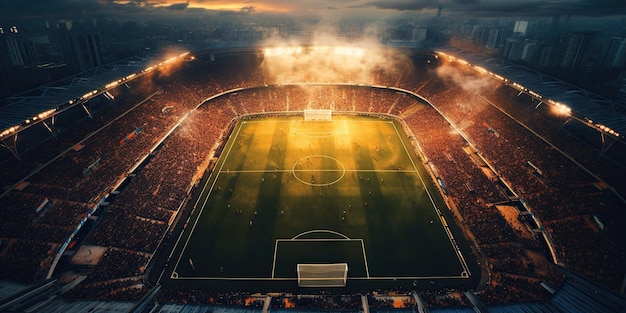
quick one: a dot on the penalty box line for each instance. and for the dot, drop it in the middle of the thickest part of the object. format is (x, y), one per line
(294, 129)
(367, 271)
(453, 243)
(200, 197)
(312, 170)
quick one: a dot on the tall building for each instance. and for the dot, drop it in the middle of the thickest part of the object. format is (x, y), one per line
(494, 38)
(16, 50)
(546, 57)
(419, 33)
(615, 56)
(528, 53)
(82, 51)
(520, 28)
(572, 48)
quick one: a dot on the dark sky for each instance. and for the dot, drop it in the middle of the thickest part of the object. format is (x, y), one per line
(379, 8)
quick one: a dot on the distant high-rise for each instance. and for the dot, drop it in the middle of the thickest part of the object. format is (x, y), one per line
(81, 50)
(419, 33)
(546, 57)
(529, 51)
(520, 28)
(572, 48)
(615, 56)
(494, 38)
(16, 50)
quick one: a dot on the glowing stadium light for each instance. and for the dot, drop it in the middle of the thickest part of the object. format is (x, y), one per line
(481, 69)
(348, 51)
(111, 84)
(534, 94)
(10, 130)
(280, 51)
(87, 95)
(44, 115)
(560, 108)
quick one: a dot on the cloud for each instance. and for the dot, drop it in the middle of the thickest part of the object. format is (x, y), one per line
(403, 5)
(178, 6)
(242, 11)
(537, 7)
(44, 8)
(504, 7)
(468, 82)
(248, 9)
(330, 58)
(379, 8)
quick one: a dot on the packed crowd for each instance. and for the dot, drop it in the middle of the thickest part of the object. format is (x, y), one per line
(313, 300)
(70, 190)
(134, 223)
(579, 241)
(185, 294)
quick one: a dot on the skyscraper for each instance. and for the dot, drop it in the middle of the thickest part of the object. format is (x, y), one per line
(82, 50)
(615, 56)
(572, 49)
(520, 28)
(16, 50)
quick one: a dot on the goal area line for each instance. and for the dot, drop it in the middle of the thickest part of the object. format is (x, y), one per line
(209, 187)
(304, 241)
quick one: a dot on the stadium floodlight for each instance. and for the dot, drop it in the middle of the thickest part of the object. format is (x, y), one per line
(481, 69)
(562, 109)
(280, 51)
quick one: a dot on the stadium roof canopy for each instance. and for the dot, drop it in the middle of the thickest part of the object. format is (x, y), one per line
(591, 106)
(17, 109)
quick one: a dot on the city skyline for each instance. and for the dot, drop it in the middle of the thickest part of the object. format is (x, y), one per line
(581, 41)
(13, 9)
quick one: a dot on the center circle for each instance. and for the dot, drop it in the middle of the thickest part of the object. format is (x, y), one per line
(318, 170)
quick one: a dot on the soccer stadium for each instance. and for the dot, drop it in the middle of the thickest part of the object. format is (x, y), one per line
(308, 177)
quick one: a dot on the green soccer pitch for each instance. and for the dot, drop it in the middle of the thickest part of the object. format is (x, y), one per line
(287, 191)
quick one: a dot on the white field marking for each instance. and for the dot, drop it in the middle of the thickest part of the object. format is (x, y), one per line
(321, 231)
(320, 170)
(367, 271)
(203, 204)
(294, 130)
(367, 268)
(343, 171)
(295, 278)
(458, 253)
(465, 274)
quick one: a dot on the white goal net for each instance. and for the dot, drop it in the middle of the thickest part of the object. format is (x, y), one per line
(322, 275)
(318, 115)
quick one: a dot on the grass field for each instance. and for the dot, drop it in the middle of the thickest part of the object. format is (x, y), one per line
(287, 191)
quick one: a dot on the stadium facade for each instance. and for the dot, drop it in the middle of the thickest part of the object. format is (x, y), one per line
(96, 214)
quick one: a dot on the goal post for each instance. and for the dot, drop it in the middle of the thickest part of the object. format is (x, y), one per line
(322, 275)
(318, 115)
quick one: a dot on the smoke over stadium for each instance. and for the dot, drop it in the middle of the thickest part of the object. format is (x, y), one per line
(330, 58)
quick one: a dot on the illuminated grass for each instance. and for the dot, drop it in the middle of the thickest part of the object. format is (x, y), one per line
(287, 177)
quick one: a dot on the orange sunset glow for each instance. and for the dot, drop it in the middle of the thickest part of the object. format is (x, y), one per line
(220, 5)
